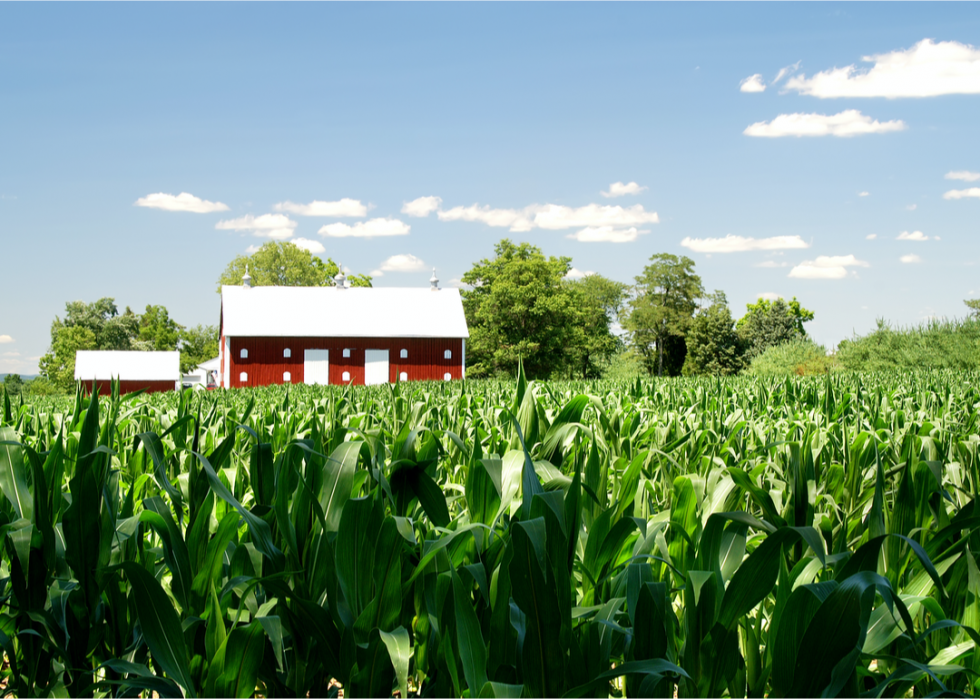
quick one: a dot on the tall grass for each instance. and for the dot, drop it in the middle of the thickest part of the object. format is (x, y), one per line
(936, 344)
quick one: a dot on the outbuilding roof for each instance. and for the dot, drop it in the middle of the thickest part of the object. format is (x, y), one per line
(104, 365)
(297, 311)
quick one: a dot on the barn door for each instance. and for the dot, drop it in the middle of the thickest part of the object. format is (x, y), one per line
(316, 366)
(375, 367)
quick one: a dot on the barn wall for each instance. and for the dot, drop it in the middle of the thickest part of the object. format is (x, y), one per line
(265, 363)
(105, 386)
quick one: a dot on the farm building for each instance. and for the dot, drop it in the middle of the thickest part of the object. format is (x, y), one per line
(152, 371)
(340, 335)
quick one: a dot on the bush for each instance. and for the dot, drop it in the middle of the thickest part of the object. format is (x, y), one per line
(801, 357)
(937, 344)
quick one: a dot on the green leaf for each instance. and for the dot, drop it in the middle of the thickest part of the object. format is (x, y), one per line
(338, 477)
(13, 474)
(472, 648)
(399, 651)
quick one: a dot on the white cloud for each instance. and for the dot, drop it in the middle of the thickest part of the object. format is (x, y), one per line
(275, 226)
(10, 354)
(736, 243)
(910, 259)
(618, 189)
(516, 220)
(912, 207)
(402, 263)
(783, 72)
(753, 83)
(962, 193)
(871, 236)
(421, 207)
(605, 234)
(314, 246)
(850, 122)
(964, 175)
(825, 267)
(914, 235)
(864, 194)
(5, 339)
(181, 202)
(374, 228)
(252, 249)
(577, 274)
(345, 208)
(771, 264)
(928, 69)
(770, 295)
(554, 217)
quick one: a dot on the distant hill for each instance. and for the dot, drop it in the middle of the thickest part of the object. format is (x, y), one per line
(26, 377)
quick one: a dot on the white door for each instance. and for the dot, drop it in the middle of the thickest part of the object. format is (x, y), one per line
(316, 366)
(375, 367)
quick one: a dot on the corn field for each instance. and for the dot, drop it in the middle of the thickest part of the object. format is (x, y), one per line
(709, 537)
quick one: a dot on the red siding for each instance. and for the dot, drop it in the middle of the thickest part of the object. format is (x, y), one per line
(105, 387)
(265, 363)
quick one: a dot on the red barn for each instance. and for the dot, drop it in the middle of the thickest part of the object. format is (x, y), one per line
(152, 371)
(340, 335)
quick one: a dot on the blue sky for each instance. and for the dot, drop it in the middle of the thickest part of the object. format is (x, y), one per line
(516, 116)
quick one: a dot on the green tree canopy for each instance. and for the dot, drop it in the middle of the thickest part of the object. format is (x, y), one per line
(770, 323)
(519, 307)
(158, 330)
(598, 301)
(198, 345)
(713, 346)
(285, 264)
(974, 306)
(665, 298)
(13, 384)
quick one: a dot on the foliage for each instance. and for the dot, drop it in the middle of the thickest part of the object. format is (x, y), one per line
(974, 306)
(13, 384)
(666, 296)
(713, 346)
(799, 357)
(284, 264)
(158, 330)
(198, 345)
(698, 537)
(770, 323)
(936, 344)
(40, 386)
(520, 307)
(598, 301)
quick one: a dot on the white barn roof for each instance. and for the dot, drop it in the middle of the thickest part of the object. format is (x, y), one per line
(296, 311)
(127, 366)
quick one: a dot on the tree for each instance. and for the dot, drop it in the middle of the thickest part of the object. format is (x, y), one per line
(519, 307)
(770, 323)
(713, 346)
(13, 384)
(197, 345)
(598, 301)
(58, 365)
(158, 330)
(974, 306)
(285, 264)
(666, 296)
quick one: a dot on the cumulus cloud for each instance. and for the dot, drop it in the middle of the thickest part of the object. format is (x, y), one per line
(753, 83)
(928, 69)
(314, 246)
(374, 228)
(850, 122)
(770, 296)
(5, 339)
(345, 208)
(824, 267)
(964, 175)
(181, 202)
(917, 236)
(736, 243)
(515, 219)
(577, 274)
(402, 263)
(618, 189)
(606, 234)
(421, 207)
(871, 236)
(275, 226)
(864, 194)
(963, 193)
(910, 259)
(555, 217)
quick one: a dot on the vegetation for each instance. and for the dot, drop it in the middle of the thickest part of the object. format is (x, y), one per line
(285, 264)
(713, 346)
(769, 324)
(936, 344)
(799, 357)
(709, 537)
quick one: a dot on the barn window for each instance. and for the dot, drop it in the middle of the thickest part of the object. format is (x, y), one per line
(447, 376)
(286, 376)
(404, 375)
(404, 354)
(346, 352)
(243, 377)
(287, 353)
(449, 354)
(244, 354)
(346, 375)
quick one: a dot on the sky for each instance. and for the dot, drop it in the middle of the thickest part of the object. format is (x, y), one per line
(825, 151)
